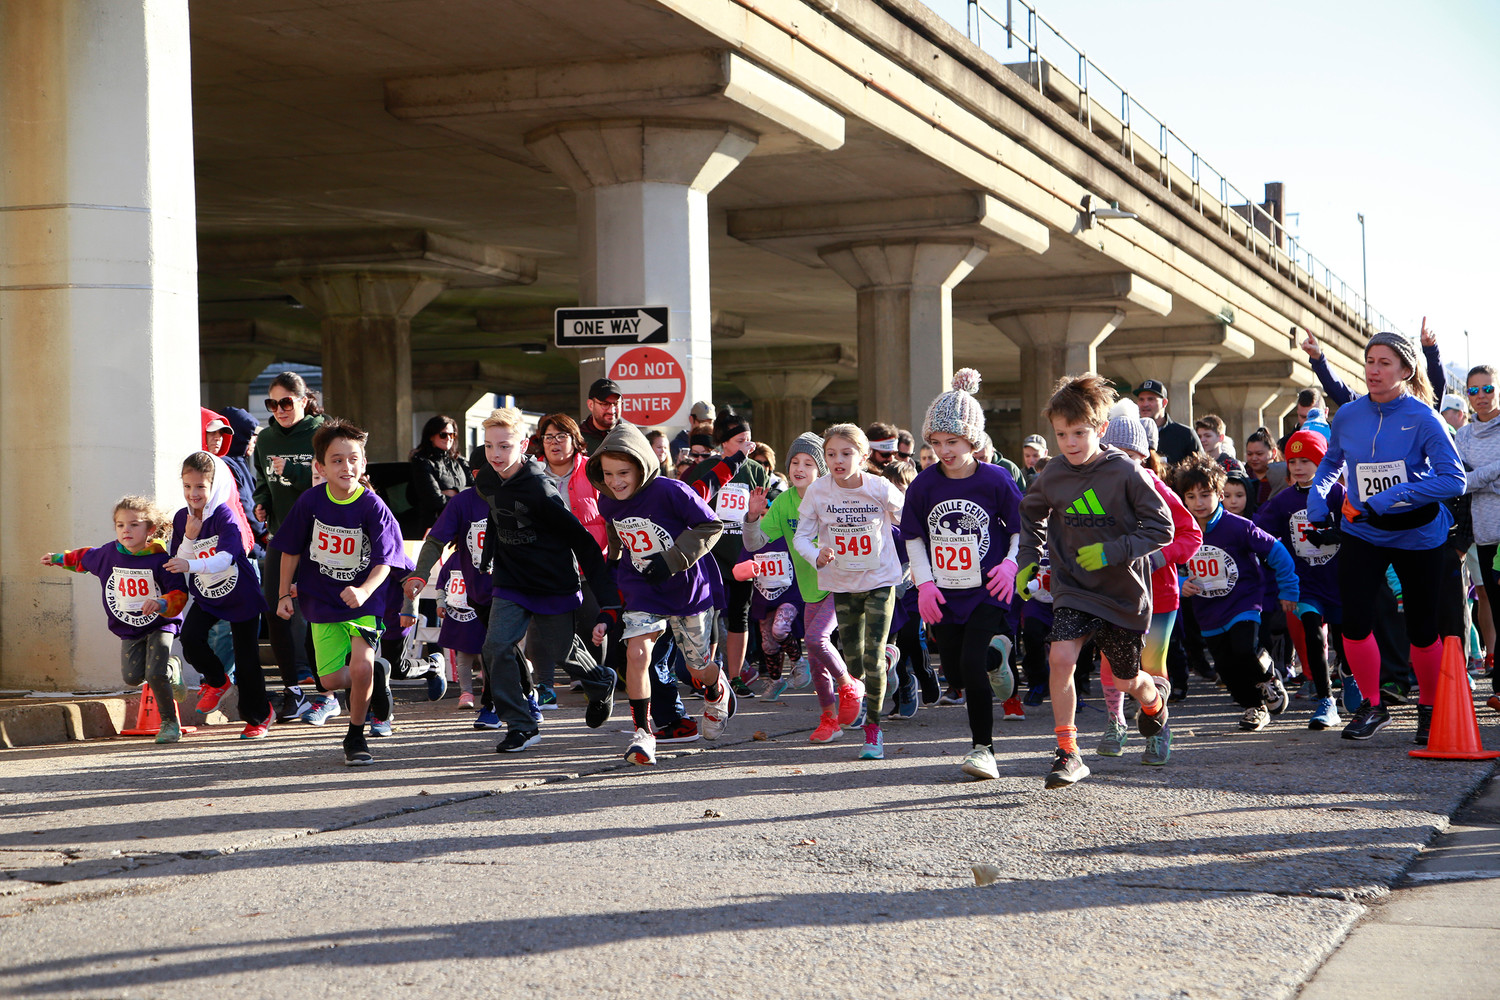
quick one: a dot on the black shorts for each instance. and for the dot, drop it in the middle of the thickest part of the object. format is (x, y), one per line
(1120, 645)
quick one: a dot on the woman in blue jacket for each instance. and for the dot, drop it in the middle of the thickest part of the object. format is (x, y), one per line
(1399, 464)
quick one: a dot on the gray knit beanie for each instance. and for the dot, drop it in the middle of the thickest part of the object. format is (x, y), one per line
(808, 444)
(1127, 434)
(1397, 343)
(957, 411)
(1153, 433)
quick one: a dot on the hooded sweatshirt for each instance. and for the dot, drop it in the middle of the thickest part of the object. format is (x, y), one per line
(663, 517)
(1112, 501)
(244, 426)
(276, 493)
(221, 577)
(1479, 446)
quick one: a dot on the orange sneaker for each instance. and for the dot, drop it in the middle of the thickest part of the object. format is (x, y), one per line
(210, 696)
(1014, 712)
(828, 729)
(851, 697)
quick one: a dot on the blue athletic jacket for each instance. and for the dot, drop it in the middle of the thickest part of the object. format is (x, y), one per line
(1397, 459)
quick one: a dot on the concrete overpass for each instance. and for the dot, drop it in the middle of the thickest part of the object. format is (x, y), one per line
(840, 203)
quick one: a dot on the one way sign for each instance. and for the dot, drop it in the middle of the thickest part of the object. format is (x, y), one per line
(601, 325)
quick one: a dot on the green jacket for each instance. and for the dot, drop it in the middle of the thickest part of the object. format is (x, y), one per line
(277, 493)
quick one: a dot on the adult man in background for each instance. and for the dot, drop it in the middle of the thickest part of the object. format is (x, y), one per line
(604, 411)
(1175, 441)
(700, 421)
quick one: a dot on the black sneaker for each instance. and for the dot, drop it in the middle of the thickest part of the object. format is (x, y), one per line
(1369, 720)
(600, 709)
(517, 740)
(1273, 694)
(1067, 769)
(1424, 725)
(1036, 696)
(356, 751)
(1392, 693)
(293, 704)
(1150, 725)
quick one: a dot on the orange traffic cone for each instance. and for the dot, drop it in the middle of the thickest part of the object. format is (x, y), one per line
(1455, 730)
(148, 717)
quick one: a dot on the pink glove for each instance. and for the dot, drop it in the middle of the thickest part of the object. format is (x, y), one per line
(745, 570)
(930, 602)
(1002, 581)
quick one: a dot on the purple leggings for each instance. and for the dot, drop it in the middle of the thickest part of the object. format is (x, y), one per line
(828, 670)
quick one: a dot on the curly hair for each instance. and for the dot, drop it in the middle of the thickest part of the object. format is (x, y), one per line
(159, 519)
(1198, 470)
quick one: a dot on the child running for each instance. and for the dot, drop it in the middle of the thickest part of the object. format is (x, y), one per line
(1226, 587)
(839, 695)
(143, 599)
(338, 544)
(961, 523)
(844, 529)
(665, 530)
(212, 544)
(1100, 519)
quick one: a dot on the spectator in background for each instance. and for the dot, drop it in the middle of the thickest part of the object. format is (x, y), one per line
(701, 446)
(658, 442)
(243, 429)
(1210, 428)
(1455, 411)
(926, 456)
(1033, 451)
(438, 473)
(766, 456)
(216, 432)
(1177, 441)
(988, 453)
(905, 444)
(700, 421)
(604, 411)
(882, 445)
(1264, 465)
(1307, 399)
(684, 463)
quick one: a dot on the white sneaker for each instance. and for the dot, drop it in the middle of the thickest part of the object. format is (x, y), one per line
(642, 748)
(717, 713)
(980, 763)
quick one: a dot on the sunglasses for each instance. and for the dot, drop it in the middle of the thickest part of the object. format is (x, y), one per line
(445, 435)
(1475, 390)
(284, 403)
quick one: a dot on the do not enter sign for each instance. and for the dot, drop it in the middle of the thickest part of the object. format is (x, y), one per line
(652, 385)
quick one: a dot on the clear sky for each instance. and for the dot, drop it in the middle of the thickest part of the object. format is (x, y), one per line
(1388, 109)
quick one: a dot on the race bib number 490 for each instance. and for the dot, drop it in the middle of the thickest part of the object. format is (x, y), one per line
(1213, 570)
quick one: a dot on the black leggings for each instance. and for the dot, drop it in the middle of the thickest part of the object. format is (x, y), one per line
(1490, 580)
(1236, 654)
(1423, 587)
(914, 659)
(967, 646)
(248, 677)
(1314, 652)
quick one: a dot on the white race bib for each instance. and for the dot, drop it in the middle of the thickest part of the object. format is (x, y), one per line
(955, 561)
(130, 588)
(1043, 580)
(732, 503)
(475, 541)
(774, 570)
(1213, 570)
(458, 592)
(856, 547)
(642, 538)
(338, 551)
(1313, 555)
(211, 585)
(1371, 478)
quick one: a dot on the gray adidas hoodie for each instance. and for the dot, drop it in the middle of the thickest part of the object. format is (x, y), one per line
(1479, 446)
(1109, 500)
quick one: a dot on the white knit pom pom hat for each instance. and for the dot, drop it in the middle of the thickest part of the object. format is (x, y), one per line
(957, 412)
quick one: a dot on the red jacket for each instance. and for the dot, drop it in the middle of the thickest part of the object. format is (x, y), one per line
(1186, 537)
(583, 501)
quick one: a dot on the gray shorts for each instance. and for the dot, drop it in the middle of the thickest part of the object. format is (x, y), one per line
(692, 633)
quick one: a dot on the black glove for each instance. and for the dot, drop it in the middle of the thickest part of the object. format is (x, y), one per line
(656, 569)
(1324, 533)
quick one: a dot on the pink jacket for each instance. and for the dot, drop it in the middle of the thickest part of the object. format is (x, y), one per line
(583, 501)
(1186, 537)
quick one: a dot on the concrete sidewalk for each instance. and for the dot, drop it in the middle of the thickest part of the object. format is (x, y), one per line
(750, 868)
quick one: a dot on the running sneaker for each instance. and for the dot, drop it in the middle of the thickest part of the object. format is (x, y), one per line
(1392, 693)
(861, 718)
(356, 750)
(1424, 725)
(1325, 715)
(1351, 695)
(1116, 735)
(741, 689)
(802, 674)
(1013, 710)
(749, 673)
(776, 688)
(931, 690)
(718, 712)
(1067, 769)
(378, 727)
(1255, 719)
(170, 732)
(1273, 693)
(1369, 720)
(892, 657)
(209, 696)
(1306, 691)
(293, 704)
(1036, 695)
(437, 678)
(466, 700)
(487, 719)
(874, 743)
(684, 730)
(906, 699)
(546, 698)
(1494, 702)
(600, 709)
(828, 729)
(951, 697)
(323, 708)
(1158, 748)
(517, 740)
(256, 730)
(1150, 725)
(980, 763)
(642, 749)
(851, 701)
(532, 707)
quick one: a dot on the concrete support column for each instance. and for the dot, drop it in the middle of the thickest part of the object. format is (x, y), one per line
(905, 320)
(642, 189)
(1242, 404)
(1180, 370)
(1053, 343)
(225, 375)
(781, 404)
(366, 325)
(98, 307)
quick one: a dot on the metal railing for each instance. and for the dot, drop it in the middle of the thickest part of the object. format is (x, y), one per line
(1151, 144)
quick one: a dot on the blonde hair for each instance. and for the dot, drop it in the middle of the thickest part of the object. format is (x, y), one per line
(508, 417)
(850, 433)
(159, 520)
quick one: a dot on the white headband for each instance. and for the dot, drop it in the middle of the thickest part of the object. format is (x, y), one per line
(885, 444)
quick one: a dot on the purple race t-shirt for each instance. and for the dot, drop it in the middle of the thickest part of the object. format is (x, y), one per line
(130, 579)
(463, 630)
(778, 584)
(648, 523)
(233, 595)
(339, 543)
(463, 524)
(965, 525)
(1284, 516)
(1228, 568)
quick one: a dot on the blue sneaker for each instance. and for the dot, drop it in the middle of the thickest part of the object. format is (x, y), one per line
(378, 727)
(324, 707)
(777, 688)
(437, 684)
(533, 707)
(859, 720)
(906, 699)
(487, 719)
(1035, 695)
(1325, 716)
(546, 697)
(1351, 697)
(874, 748)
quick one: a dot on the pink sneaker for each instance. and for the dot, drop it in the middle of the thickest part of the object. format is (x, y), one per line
(828, 729)
(257, 730)
(851, 697)
(1014, 712)
(210, 696)
(466, 700)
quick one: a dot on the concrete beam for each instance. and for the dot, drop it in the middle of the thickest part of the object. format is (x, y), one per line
(732, 360)
(1276, 372)
(1220, 338)
(1130, 293)
(675, 84)
(458, 262)
(300, 347)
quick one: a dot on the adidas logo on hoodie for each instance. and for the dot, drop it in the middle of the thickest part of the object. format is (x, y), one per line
(1087, 512)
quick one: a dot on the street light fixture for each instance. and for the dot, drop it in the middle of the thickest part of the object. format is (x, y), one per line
(1364, 266)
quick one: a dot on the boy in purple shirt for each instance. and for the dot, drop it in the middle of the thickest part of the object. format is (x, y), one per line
(1226, 586)
(338, 543)
(143, 599)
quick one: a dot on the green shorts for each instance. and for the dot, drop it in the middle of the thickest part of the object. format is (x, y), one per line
(334, 641)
